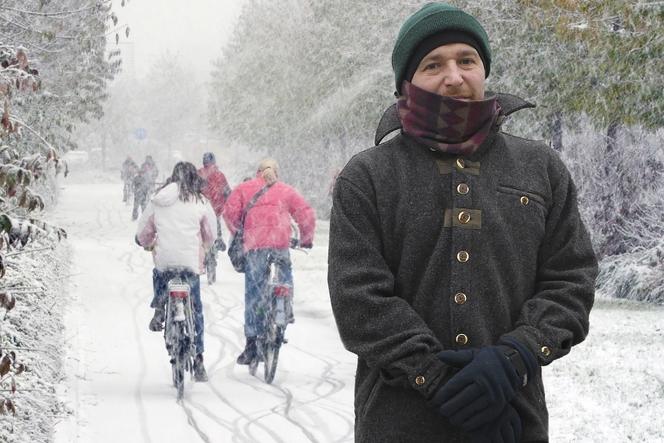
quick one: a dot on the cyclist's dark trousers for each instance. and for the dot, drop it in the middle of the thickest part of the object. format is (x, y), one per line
(160, 283)
(140, 200)
(255, 284)
(126, 190)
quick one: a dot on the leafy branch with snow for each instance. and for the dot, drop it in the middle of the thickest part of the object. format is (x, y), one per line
(54, 70)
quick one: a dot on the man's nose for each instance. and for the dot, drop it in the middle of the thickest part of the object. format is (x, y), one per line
(452, 76)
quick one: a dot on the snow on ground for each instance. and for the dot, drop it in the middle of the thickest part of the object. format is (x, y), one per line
(610, 388)
(119, 385)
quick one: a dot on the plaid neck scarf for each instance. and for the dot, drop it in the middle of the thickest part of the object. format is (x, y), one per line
(444, 123)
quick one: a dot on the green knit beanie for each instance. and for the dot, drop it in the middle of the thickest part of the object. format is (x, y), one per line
(435, 18)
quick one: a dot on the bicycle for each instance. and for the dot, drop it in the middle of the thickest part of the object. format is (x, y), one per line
(275, 319)
(179, 332)
(210, 262)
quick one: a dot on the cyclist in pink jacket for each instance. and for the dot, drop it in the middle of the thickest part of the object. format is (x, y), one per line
(267, 232)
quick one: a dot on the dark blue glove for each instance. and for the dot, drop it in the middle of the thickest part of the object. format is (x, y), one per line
(505, 429)
(481, 390)
(454, 361)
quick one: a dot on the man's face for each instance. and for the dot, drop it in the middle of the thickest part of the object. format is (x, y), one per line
(453, 70)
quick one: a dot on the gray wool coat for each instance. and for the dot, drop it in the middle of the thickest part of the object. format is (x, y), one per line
(431, 251)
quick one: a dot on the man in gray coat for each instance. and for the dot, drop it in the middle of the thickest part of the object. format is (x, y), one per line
(458, 262)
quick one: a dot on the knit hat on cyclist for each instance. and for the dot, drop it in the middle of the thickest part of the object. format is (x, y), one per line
(208, 159)
(434, 25)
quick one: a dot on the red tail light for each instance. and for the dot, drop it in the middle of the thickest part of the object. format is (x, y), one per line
(282, 291)
(178, 290)
(179, 294)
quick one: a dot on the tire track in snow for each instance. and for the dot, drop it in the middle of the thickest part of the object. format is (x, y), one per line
(193, 424)
(283, 409)
(203, 409)
(138, 395)
(288, 401)
(221, 317)
(325, 378)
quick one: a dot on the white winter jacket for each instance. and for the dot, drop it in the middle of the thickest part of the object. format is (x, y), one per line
(180, 232)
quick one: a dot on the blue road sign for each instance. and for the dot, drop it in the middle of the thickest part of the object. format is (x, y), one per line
(140, 133)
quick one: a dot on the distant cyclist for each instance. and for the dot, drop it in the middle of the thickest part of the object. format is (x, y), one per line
(151, 172)
(179, 225)
(215, 188)
(141, 188)
(127, 174)
(267, 232)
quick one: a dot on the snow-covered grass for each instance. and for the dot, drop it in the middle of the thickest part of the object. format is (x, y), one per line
(610, 389)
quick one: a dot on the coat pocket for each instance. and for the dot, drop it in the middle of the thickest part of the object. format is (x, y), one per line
(523, 197)
(522, 213)
(371, 398)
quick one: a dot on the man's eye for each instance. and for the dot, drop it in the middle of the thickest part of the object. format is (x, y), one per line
(431, 66)
(467, 61)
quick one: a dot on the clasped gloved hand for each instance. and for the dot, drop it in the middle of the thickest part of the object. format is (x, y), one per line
(504, 429)
(479, 393)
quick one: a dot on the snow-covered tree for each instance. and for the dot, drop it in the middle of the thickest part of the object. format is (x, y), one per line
(67, 41)
(307, 80)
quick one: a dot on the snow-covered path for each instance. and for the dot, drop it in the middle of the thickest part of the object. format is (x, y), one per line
(118, 373)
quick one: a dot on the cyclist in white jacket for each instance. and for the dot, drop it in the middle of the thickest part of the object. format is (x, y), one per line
(179, 225)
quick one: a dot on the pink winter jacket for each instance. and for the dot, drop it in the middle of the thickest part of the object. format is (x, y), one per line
(268, 222)
(180, 232)
(216, 187)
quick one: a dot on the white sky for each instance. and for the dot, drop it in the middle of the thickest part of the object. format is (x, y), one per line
(194, 30)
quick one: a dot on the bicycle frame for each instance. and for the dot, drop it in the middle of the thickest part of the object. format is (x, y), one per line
(179, 332)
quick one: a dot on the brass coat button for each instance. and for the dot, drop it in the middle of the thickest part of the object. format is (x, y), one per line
(464, 217)
(463, 256)
(463, 188)
(460, 298)
(420, 380)
(461, 339)
(525, 200)
(460, 163)
(546, 351)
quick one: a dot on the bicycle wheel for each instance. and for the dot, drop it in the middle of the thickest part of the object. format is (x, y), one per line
(178, 358)
(178, 377)
(272, 348)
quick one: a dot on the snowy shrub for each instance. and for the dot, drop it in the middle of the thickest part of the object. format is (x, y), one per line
(31, 342)
(636, 275)
(37, 120)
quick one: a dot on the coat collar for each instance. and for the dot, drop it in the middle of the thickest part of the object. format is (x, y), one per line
(390, 122)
